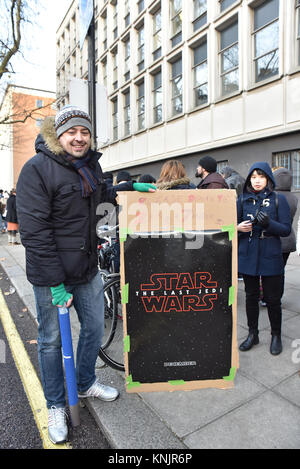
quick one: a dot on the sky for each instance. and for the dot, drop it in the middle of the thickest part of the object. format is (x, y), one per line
(38, 69)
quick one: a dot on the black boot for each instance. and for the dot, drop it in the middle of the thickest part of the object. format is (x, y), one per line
(251, 340)
(276, 345)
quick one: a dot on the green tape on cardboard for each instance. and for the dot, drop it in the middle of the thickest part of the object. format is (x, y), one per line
(231, 375)
(176, 382)
(127, 344)
(132, 384)
(125, 291)
(231, 231)
(124, 232)
(231, 296)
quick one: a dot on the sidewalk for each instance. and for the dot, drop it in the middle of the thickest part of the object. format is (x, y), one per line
(261, 411)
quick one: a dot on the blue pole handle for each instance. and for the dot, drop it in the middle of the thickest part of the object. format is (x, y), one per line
(66, 339)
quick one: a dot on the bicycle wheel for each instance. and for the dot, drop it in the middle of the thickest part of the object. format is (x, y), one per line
(112, 352)
(110, 309)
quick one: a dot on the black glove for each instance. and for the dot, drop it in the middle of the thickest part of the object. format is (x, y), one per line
(263, 219)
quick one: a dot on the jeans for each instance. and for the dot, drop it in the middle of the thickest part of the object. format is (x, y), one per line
(2, 223)
(273, 290)
(88, 302)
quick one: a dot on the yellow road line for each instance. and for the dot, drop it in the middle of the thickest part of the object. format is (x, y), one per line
(28, 376)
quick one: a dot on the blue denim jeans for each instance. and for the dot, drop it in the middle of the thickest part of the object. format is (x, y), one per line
(88, 302)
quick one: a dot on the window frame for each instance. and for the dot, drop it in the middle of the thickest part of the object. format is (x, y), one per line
(127, 113)
(155, 90)
(222, 74)
(141, 102)
(172, 80)
(176, 37)
(285, 159)
(194, 67)
(256, 58)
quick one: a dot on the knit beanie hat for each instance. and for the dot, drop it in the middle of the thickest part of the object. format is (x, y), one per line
(70, 116)
(208, 163)
(123, 176)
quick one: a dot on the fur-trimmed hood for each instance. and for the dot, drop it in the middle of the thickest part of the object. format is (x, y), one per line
(185, 183)
(48, 138)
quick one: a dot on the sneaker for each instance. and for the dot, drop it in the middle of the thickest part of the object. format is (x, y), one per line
(57, 424)
(105, 393)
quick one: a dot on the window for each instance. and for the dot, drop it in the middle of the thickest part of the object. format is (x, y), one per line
(177, 87)
(115, 68)
(115, 20)
(127, 13)
(104, 72)
(266, 40)
(200, 75)
(141, 48)
(291, 161)
(298, 29)
(224, 4)
(141, 5)
(176, 21)
(200, 14)
(39, 103)
(157, 35)
(127, 113)
(104, 17)
(157, 97)
(141, 105)
(229, 59)
(115, 118)
(127, 60)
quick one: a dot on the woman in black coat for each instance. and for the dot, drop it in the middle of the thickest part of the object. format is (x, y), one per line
(11, 218)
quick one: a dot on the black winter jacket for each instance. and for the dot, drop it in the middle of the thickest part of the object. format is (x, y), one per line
(11, 213)
(57, 225)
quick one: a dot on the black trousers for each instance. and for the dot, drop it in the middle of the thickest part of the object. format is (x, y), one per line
(273, 291)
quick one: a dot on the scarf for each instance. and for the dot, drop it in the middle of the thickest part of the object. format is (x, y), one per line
(88, 179)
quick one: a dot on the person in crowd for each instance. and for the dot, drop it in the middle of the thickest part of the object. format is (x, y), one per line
(263, 218)
(12, 218)
(147, 178)
(207, 170)
(123, 176)
(233, 179)
(2, 208)
(284, 180)
(58, 192)
(173, 176)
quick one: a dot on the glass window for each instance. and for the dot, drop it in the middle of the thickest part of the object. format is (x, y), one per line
(141, 106)
(298, 29)
(115, 68)
(141, 48)
(127, 60)
(229, 59)
(157, 35)
(157, 97)
(224, 4)
(176, 21)
(127, 13)
(127, 113)
(177, 107)
(115, 20)
(266, 40)
(200, 13)
(200, 75)
(115, 118)
(141, 5)
(291, 161)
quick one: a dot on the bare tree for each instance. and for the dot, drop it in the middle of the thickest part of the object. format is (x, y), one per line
(15, 15)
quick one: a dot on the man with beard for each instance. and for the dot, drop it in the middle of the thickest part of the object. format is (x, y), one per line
(206, 170)
(58, 192)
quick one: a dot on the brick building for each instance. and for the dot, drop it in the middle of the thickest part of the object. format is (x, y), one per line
(21, 113)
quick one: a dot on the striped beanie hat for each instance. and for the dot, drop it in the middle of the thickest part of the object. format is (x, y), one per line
(71, 116)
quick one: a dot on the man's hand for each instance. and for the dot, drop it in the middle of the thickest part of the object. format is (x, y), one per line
(245, 226)
(61, 296)
(143, 187)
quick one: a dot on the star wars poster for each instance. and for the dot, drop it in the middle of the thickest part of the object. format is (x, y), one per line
(179, 274)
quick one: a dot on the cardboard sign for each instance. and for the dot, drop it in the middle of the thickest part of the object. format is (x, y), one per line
(179, 284)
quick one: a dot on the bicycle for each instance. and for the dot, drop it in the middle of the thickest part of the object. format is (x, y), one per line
(112, 349)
